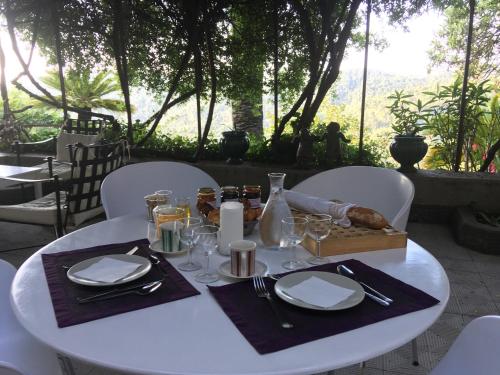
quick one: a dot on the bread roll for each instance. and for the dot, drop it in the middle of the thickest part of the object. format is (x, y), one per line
(366, 217)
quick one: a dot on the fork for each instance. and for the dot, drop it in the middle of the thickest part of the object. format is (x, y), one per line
(262, 292)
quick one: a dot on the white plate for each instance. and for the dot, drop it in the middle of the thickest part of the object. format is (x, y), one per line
(297, 277)
(225, 270)
(143, 267)
(156, 246)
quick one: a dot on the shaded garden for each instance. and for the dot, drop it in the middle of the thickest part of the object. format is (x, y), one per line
(238, 51)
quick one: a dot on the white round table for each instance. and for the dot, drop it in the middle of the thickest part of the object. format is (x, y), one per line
(194, 336)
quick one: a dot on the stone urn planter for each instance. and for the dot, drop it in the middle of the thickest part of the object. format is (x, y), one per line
(408, 150)
(234, 145)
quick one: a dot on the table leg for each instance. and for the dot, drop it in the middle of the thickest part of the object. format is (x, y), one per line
(414, 349)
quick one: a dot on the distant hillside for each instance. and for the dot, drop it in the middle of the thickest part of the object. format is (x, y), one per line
(347, 91)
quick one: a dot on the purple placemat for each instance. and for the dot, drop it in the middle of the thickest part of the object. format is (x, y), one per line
(64, 292)
(255, 320)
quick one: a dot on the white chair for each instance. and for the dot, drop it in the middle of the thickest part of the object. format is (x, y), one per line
(384, 190)
(20, 353)
(475, 350)
(123, 191)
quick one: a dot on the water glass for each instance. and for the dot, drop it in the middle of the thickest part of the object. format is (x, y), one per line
(293, 231)
(166, 213)
(206, 236)
(187, 236)
(164, 197)
(184, 203)
(318, 228)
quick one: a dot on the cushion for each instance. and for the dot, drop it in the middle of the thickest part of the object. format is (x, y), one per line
(64, 139)
(39, 211)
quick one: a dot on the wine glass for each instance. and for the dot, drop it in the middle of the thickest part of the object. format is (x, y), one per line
(293, 231)
(318, 228)
(187, 236)
(207, 236)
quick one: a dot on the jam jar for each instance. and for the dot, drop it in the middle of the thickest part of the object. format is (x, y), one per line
(206, 200)
(229, 194)
(251, 196)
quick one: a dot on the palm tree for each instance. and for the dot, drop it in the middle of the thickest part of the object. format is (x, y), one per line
(86, 92)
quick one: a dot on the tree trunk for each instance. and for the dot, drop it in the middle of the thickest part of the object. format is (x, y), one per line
(85, 116)
(248, 116)
(3, 85)
(249, 79)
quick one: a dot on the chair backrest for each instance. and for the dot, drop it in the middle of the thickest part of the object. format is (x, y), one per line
(20, 354)
(123, 191)
(384, 190)
(90, 165)
(474, 351)
(79, 126)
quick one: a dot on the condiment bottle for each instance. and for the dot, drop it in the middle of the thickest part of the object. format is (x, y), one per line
(229, 194)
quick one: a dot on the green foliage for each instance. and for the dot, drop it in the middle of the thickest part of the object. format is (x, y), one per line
(410, 116)
(34, 115)
(449, 45)
(86, 91)
(41, 134)
(481, 124)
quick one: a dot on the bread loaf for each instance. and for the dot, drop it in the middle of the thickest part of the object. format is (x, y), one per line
(366, 217)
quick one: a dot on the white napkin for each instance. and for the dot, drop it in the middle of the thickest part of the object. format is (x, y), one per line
(319, 292)
(315, 205)
(108, 270)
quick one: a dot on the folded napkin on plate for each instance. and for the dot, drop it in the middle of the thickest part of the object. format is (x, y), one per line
(315, 205)
(316, 291)
(108, 270)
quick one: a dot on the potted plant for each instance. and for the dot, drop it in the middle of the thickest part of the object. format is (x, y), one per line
(234, 145)
(411, 117)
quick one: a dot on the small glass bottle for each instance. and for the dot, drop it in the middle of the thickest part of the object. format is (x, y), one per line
(275, 210)
(251, 196)
(206, 200)
(229, 194)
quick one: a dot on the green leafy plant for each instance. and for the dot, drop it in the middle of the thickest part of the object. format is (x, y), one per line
(481, 124)
(410, 117)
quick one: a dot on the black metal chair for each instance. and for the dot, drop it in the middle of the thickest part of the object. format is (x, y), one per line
(76, 199)
(72, 131)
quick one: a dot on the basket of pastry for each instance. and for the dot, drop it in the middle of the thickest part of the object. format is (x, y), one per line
(368, 231)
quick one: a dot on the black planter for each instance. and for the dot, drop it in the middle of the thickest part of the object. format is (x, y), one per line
(234, 145)
(408, 150)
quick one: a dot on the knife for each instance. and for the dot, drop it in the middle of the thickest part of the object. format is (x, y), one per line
(116, 290)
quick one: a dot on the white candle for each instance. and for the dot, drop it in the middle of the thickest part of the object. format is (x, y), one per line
(231, 225)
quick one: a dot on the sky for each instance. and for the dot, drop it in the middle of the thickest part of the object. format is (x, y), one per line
(407, 50)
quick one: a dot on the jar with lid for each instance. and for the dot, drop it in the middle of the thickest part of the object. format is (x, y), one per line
(206, 200)
(251, 196)
(229, 194)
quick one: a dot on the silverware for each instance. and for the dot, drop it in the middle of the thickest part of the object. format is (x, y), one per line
(262, 292)
(346, 271)
(134, 249)
(144, 291)
(132, 288)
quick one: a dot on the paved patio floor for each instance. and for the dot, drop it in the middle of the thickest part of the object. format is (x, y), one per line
(475, 291)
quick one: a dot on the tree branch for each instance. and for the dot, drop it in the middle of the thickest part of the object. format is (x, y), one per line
(490, 156)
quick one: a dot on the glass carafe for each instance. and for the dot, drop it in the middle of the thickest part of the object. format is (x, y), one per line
(275, 210)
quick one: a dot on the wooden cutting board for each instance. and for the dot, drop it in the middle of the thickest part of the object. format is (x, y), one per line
(356, 239)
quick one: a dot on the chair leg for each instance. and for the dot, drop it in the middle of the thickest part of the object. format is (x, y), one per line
(66, 365)
(414, 349)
